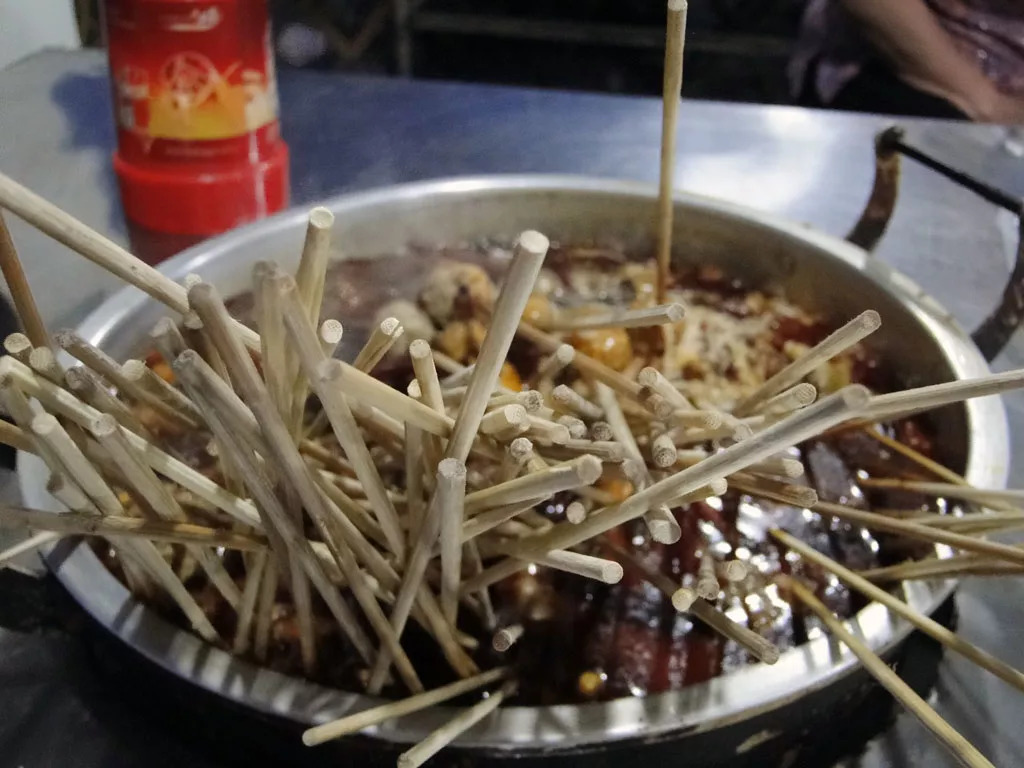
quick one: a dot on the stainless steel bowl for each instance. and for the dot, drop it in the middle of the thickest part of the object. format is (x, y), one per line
(918, 339)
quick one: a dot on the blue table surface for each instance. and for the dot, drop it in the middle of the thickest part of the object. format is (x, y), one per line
(348, 133)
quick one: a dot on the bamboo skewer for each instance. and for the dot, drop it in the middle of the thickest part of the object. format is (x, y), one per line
(735, 571)
(707, 578)
(972, 522)
(774, 490)
(529, 253)
(553, 364)
(265, 611)
(66, 229)
(577, 427)
(506, 637)
(619, 318)
(839, 341)
(18, 346)
(779, 466)
(21, 292)
(927, 625)
(576, 512)
(792, 399)
(605, 571)
(67, 492)
(451, 494)
(274, 357)
(84, 384)
(904, 450)
(495, 516)
(568, 399)
(663, 451)
(697, 419)
(330, 333)
(447, 733)
(147, 555)
(660, 521)
(32, 542)
(940, 568)
(957, 744)
(874, 521)
(653, 379)
(675, 40)
(78, 524)
(247, 610)
(948, 490)
(760, 647)
(42, 361)
(394, 710)
(415, 568)
(502, 419)
(49, 431)
(562, 477)
(316, 253)
(586, 365)
(83, 474)
(367, 390)
(381, 340)
(167, 338)
(910, 401)
(147, 380)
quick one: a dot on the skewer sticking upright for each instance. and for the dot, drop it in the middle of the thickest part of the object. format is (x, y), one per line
(675, 40)
(451, 494)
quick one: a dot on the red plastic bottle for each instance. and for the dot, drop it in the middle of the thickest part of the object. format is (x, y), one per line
(199, 149)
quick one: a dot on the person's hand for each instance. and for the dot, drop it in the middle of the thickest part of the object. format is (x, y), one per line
(994, 106)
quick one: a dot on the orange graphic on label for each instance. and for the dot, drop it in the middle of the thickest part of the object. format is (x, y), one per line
(193, 100)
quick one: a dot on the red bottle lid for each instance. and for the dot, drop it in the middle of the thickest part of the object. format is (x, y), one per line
(199, 149)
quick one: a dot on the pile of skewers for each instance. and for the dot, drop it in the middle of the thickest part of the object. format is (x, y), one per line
(298, 435)
(477, 459)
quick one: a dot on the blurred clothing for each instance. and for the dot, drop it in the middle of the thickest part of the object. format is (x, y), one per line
(833, 54)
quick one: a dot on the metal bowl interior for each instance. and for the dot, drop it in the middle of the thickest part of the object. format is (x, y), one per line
(919, 339)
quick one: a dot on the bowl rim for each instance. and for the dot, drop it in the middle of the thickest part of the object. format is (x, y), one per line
(723, 700)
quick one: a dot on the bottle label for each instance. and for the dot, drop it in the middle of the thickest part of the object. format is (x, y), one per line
(192, 80)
